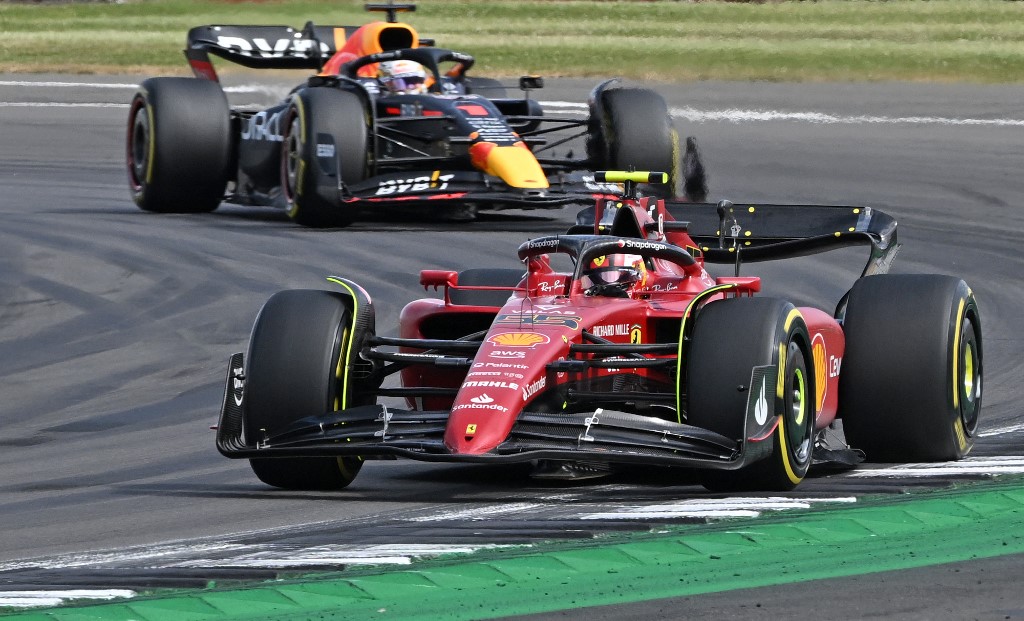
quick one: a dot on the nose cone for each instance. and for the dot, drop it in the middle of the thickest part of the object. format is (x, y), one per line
(513, 164)
(508, 372)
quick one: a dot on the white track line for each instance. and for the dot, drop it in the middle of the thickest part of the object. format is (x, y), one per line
(28, 599)
(693, 115)
(714, 508)
(54, 104)
(971, 465)
(999, 431)
(736, 115)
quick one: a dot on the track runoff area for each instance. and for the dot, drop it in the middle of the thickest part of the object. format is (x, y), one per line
(809, 541)
(740, 543)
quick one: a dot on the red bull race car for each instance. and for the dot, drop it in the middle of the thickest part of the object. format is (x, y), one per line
(614, 345)
(387, 124)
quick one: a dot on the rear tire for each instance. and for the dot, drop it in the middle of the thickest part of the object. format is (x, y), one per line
(730, 338)
(294, 370)
(326, 137)
(910, 385)
(631, 127)
(179, 145)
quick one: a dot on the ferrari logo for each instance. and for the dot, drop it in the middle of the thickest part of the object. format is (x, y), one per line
(470, 430)
(636, 335)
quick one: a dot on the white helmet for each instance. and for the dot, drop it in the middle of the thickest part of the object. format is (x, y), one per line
(404, 77)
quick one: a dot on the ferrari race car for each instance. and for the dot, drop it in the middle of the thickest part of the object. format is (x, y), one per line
(614, 345)
(343, 143)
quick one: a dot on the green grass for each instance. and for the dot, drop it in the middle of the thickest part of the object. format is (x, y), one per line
(916, 40)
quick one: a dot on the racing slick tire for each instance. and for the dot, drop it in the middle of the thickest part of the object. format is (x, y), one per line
(910, 381)
(485, 277)
(631, 129)
(730, 338)
(326, 146)
(293, 371)
(179, 145)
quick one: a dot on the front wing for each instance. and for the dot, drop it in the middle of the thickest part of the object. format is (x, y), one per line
(423, 188)
(600, 435)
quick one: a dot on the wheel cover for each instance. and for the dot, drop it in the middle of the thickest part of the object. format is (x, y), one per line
(292, 161)
(969, 373)
(139, 146)
(799, 438)
(969, 382)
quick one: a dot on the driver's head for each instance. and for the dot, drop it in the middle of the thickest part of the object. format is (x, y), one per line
(403, 77)
(623, 270)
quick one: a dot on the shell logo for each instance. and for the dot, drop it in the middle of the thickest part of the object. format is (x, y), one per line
(820, 369)
(519, 339)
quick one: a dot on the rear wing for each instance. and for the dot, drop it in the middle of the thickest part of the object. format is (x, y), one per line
(267, 47)
(263, 47)
(731, 233)
(734, 233)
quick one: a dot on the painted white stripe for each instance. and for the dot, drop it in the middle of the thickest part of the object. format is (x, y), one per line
(748, 116)
(714, 508)
(971, 465)
(274, 556)
(227, 89)
(693, 115)
(998, 431)
(134, 555)
(57, 104)
(736, 115)
(66, 84)
(645, 515)
(54, 104)
(29, 599)
(478, 513)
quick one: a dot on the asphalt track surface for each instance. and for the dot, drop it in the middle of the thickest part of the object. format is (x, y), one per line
(116, 325)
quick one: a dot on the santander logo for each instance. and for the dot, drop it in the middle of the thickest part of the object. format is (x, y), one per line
(482, 399)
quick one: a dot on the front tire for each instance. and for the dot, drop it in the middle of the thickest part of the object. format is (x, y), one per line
(910, 385)
(630, 128)
(730, 338)
(179, 145)
(325, 147)
(296, 369)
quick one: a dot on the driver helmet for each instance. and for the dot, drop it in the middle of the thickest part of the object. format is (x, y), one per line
(623, 270)
(404, 77)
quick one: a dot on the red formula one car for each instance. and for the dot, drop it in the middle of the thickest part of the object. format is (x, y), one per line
(389, 125)
(614, 345)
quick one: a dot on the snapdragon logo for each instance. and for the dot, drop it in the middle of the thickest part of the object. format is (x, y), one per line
(629, 244)
(543, 243)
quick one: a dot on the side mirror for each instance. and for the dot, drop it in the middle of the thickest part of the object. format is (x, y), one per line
(531, 82)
